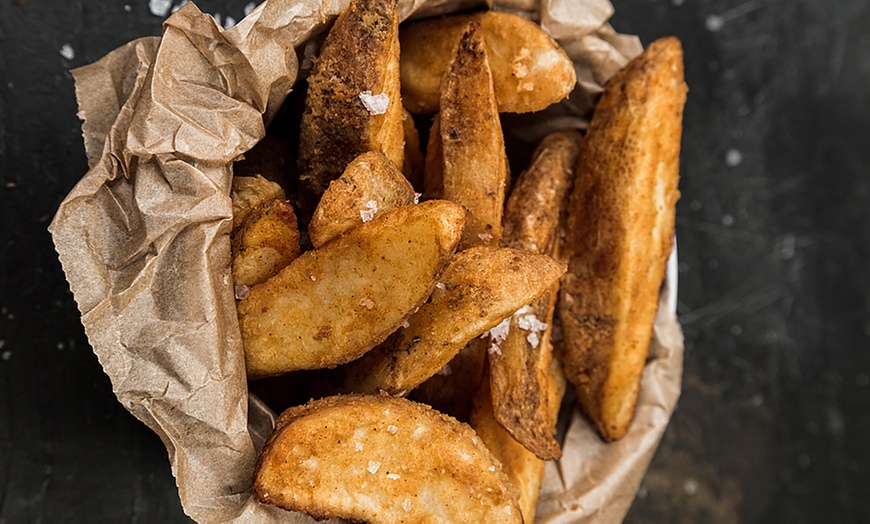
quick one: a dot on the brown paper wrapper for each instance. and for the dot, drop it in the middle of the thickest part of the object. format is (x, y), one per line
(144, 241)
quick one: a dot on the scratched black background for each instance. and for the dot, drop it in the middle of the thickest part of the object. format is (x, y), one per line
(773, 229)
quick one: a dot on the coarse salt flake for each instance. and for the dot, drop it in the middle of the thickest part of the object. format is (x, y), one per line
(417, 197)
(310, 462)
(440, 285)
(358, 446)
(406, 324)
(241, 292)
(533, 339)
(366, 302)
(159, 7)
(406, 505)
(375, 104)
(67, 52)
(485, 237)
(445, 371)
(374, 466)
(392, 429)
(367, 213)
(492, 468)
(393, 476)
(507, 510)
(418, 432)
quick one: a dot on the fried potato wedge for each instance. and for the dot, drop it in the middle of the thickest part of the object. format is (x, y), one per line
(474, 167)
(530, 70)
(248, 192)
(412, 167)
(519, 371)
(523, 468)
(354, 102)
(620, 233)
(380, 459)
(480, 287)
(369, 187)
(265, 243)
(333, 304)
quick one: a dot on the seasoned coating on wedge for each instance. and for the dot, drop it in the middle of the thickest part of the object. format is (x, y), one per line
(620, 233)
(359, 60)
(381, 459)
(480, 287)
(530, 70)
(333, 304)
(519, 371)
(369, 187)
(265, 243)
(523, 468)
(248, 192)
(474, 168)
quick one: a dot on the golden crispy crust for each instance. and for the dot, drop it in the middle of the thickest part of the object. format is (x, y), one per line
(472, 143)
(360, 53)
(265, 243)
(620, 232)
(381, 459)
(519, 371)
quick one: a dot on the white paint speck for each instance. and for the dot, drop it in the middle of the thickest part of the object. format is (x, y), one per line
(393, 476)
(690, 486)
(406, 504)
(67, 52)
(727, 220)
(374, 466)
(733, 157)
(368, 212)
(159, 7)
(6, 355)
(249, 7)
(714, 23)
(375, 104)
(229, 22)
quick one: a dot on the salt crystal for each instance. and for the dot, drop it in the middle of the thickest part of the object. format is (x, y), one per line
(375, 104)
(492, 468)
(368, 212)
(497, 335)
(485, 237)
(249, 7)
(507, 510)
(406, 505)
(406, 324)
(417, 197)
(392, 429)
(159, 7)
(440, 285)
(445, 371)
(367, 303)
(358, 446)
(533, 339)
(67, 52)
(242, 292)
(393, 476)
(374, 466)
(311, 462)
(418, 432)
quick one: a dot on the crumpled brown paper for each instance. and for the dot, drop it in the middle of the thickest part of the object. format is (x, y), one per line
(143, 240)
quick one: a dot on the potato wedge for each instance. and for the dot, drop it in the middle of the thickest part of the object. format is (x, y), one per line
(620, 233)
(519, 371)
(474, 167)
(381, 459)
(412, 167)
(369, 187)
(333, 304)
(480, 287)
(248, 192)
(354, 103)
(265, 243)
(530, 70)
(523, 468)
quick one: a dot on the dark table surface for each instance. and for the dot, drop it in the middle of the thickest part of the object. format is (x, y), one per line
(773, 227)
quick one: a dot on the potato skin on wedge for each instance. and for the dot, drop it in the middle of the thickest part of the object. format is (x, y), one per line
(333, 304)
(359, 59)
(381, 459)
(479, 288)
(530, 70)
(620, 233)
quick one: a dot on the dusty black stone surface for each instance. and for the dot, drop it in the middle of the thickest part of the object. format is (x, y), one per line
(773, 228)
